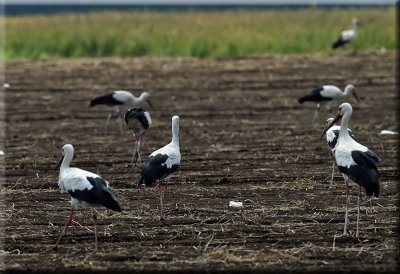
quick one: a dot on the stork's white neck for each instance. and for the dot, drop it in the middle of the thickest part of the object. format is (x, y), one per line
(347, 91)
(66, 161)
(175, 132)
(354, 24)
(343, 133)
(139, 99)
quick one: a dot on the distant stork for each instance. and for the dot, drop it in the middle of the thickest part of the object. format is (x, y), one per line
(347, 35)
(356, 163)
(86, 189)
(162, 163)
(138, 120)
(120, 98)
(332, 135)
(327, 94)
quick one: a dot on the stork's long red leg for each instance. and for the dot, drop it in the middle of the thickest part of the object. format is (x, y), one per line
(161, 202)
(95, 229)
(346, 215)
(135, 149)
(67, 223)
(138, 148)
(119, 121)
(358, 210)
(333, 173)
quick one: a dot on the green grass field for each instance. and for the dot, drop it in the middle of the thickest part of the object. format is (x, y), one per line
(199, 34)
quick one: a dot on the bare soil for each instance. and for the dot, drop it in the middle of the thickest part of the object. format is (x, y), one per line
(243, 138)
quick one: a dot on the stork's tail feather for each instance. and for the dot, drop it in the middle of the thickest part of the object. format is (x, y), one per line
(309, 97)
(113, 203)
(373, 190)
(104, 100)
(302, 99)
(146, 181)
(338, 43)
(98, 101)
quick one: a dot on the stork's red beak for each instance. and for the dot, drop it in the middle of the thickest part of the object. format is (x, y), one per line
(150, 104)
(59, 162)
(337, 118)
(355, 96)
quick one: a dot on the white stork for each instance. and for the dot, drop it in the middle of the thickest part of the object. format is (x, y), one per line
(356, 163)
(138, 120)
(332, 135)
(162, 163)
(120, 98)
(86, 189)
(347, 35)
(327, 94)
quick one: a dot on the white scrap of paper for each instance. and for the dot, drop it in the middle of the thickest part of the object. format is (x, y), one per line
(235, 204)
(388, 132)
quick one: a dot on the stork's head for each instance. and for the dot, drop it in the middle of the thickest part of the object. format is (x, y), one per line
(350, 89)
(344, 109)
(67, 149)
(328, 121)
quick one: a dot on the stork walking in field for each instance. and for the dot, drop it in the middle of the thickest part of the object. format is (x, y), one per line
(332, 135)
(347, 35)
(327, 94)
(162, 163)
(138, 120)
(120, 98)
(86, 189)
(356, 162)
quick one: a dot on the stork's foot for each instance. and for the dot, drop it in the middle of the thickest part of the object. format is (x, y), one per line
(344, 234)
(346, 239)
(135, 159)
(54, 248)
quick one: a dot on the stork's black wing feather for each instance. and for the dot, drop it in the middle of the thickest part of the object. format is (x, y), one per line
(108, 99)
(314, 96)
(155, 169)
(98, 194)
(364, 172)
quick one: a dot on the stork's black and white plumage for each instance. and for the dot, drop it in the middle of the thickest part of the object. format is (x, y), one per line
(327, 94)
(347, 35)
(332, 135)
(86, 189)
(120, 98)
(162, 163)
(356, 162)
(138, 120)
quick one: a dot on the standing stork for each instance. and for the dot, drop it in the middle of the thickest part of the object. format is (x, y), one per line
(162, 163)
(120, 98)
(138, 120)
(356, 162)
(332, 135)
(86, 189)
(327, 94)
(347, 35)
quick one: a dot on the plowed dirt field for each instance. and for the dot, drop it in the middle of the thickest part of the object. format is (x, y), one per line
(243, 138)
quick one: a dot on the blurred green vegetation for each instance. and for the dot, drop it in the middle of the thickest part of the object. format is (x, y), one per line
(195, 33)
